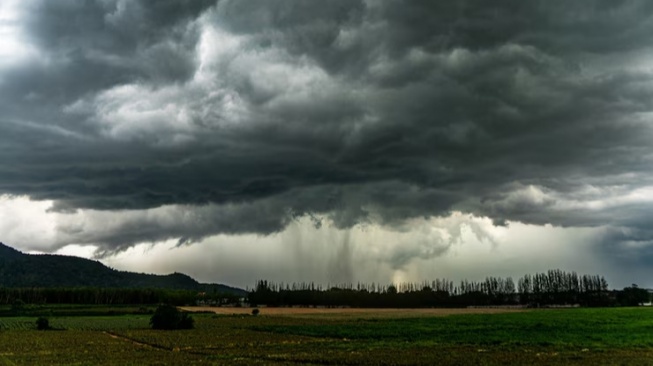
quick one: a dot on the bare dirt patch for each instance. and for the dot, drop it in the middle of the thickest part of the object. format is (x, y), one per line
(346, 312)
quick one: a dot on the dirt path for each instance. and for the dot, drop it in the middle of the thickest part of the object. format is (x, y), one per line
(154, 346)
(6, 361)
(133, 341)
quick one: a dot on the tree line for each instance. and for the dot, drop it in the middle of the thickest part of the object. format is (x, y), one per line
(554, 287)
(96, 296)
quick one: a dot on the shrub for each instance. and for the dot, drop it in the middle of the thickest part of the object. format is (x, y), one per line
(169, 317)
(255, 311)
(185, 321)
(42, 323)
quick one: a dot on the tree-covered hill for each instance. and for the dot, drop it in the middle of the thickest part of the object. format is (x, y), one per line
(43, 270)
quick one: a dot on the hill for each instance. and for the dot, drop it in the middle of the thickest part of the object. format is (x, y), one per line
(18, 269)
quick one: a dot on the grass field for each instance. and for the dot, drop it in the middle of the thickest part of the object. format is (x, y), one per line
(619, 336)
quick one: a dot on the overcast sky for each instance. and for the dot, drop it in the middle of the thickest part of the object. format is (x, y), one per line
(332, 141)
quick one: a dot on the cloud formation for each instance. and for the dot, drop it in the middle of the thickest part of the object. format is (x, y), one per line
(180, 120)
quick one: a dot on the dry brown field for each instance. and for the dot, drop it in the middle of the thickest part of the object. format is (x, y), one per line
(346, 312)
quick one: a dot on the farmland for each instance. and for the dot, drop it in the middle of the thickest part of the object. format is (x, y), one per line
(341, 336)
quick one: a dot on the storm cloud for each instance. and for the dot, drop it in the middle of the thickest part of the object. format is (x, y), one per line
(145, 121)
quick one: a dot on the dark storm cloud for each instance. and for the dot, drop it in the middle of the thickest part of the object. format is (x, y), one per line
(387, 203)
(241, 115)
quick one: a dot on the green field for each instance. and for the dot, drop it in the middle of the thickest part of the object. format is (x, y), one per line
(616, 336)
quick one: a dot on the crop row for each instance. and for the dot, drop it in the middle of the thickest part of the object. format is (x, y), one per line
(101, 323)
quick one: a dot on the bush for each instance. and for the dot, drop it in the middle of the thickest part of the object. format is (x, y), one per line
(255, 311)
(169, 317)
(185, 321)
(42, 323)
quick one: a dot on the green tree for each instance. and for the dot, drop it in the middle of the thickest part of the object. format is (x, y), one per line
(169, 317)
(633, 296)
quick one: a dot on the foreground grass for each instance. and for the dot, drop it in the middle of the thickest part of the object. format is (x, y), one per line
(585, 328)
(622, 336)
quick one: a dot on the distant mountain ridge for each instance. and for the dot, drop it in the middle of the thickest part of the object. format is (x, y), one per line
(18, 269)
